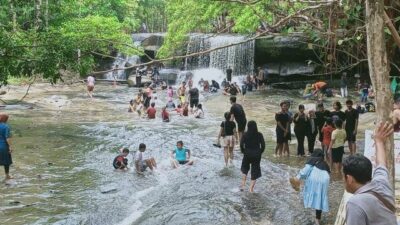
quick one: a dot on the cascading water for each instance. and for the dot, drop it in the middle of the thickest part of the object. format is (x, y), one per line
(239, 57)
(121, 61)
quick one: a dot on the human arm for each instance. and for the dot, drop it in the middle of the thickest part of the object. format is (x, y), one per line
(242, 144)
(188, 153)
(262, 143)
(220, 134)
(303, 173)
(355, 127)
(333, 140)
(236, 135)
(382, 133)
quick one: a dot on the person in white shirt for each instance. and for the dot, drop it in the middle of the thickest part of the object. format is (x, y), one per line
(142, 161)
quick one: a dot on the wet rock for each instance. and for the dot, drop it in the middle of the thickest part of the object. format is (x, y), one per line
(14, 203)
(107, 191)
(132, 81)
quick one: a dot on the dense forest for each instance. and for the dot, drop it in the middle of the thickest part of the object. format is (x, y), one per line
(47, 37)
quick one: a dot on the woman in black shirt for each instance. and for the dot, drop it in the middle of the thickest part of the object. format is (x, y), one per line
(252, 146)
(300, 129)
(230, 137)
(337, 112)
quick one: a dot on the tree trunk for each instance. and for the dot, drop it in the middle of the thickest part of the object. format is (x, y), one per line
(379, 70)
(38, 21)
(13, 15)
(46, 14)
(379, 74)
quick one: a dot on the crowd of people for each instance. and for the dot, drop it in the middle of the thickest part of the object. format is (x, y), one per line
(373, 200)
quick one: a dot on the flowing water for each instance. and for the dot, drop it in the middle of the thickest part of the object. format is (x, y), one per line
(239, 57)
(65, 145)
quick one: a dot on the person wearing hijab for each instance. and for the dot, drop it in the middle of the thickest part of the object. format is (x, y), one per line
(316, 176)
(252, 145)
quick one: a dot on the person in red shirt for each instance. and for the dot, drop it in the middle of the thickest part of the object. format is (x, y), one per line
(151, 111)
(121, 162)
(327, 137)
(165, 114)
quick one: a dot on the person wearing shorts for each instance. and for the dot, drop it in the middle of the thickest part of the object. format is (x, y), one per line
(194, 98)
(180, 156)
(90, 85)
(229, 136)
(142, 162)
(238, 114)
(252, 145)
(336, 148)
(282, 129)
(351, 126)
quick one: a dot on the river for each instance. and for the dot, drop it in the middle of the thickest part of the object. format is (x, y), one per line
(65, 144)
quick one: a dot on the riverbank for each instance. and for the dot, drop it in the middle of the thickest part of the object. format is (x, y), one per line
(62, 121)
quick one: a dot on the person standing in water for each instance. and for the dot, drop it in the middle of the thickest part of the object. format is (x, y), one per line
(300, 129)
(115, 75)
(230, 137)
(343, 85)
(90, 85)
(229, 74)
(321, 116)
(193, 98)
(181, 155)
(282, 129)
(238, 114)
(5, 145)
(312, 131)
(336, 148)
(351, 126)
(316, 175)
(164, 114)
(252, 145)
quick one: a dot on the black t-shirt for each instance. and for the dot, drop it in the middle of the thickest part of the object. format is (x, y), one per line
(301, 123)
(238, 112)
(228, 126)
(351, 118)
(194, 93)
(338, 114)
(283, 118)
(321, 118)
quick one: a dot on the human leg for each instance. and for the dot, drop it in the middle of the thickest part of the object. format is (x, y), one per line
(300, 142)
(226, 155)
(318, 215)
(231, 154)
(252, 184)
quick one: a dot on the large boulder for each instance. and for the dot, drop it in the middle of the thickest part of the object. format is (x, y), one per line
(146, 80)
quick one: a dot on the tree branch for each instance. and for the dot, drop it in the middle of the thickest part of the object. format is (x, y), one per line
(276, 25)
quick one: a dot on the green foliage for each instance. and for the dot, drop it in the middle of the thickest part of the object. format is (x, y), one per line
(96, 28)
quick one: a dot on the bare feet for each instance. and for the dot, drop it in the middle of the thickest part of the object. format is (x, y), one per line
(8, 177)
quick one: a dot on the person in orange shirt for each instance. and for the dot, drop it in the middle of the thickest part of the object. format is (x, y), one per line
(319, 88)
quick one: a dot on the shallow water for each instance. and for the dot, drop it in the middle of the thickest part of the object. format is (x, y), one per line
(65, 145)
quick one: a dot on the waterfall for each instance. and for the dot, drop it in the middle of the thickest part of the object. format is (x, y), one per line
(122, 61)
(239, 57)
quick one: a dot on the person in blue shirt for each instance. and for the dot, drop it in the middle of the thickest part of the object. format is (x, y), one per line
(180, 155)
(5, 148)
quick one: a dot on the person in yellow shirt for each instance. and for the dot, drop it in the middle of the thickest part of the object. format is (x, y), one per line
(336, 148)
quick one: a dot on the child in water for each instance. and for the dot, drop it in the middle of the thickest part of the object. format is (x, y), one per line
(142, 162)
(336, 148)
(164, 114)
(185, 110)
(121, 162)
(180, 156)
